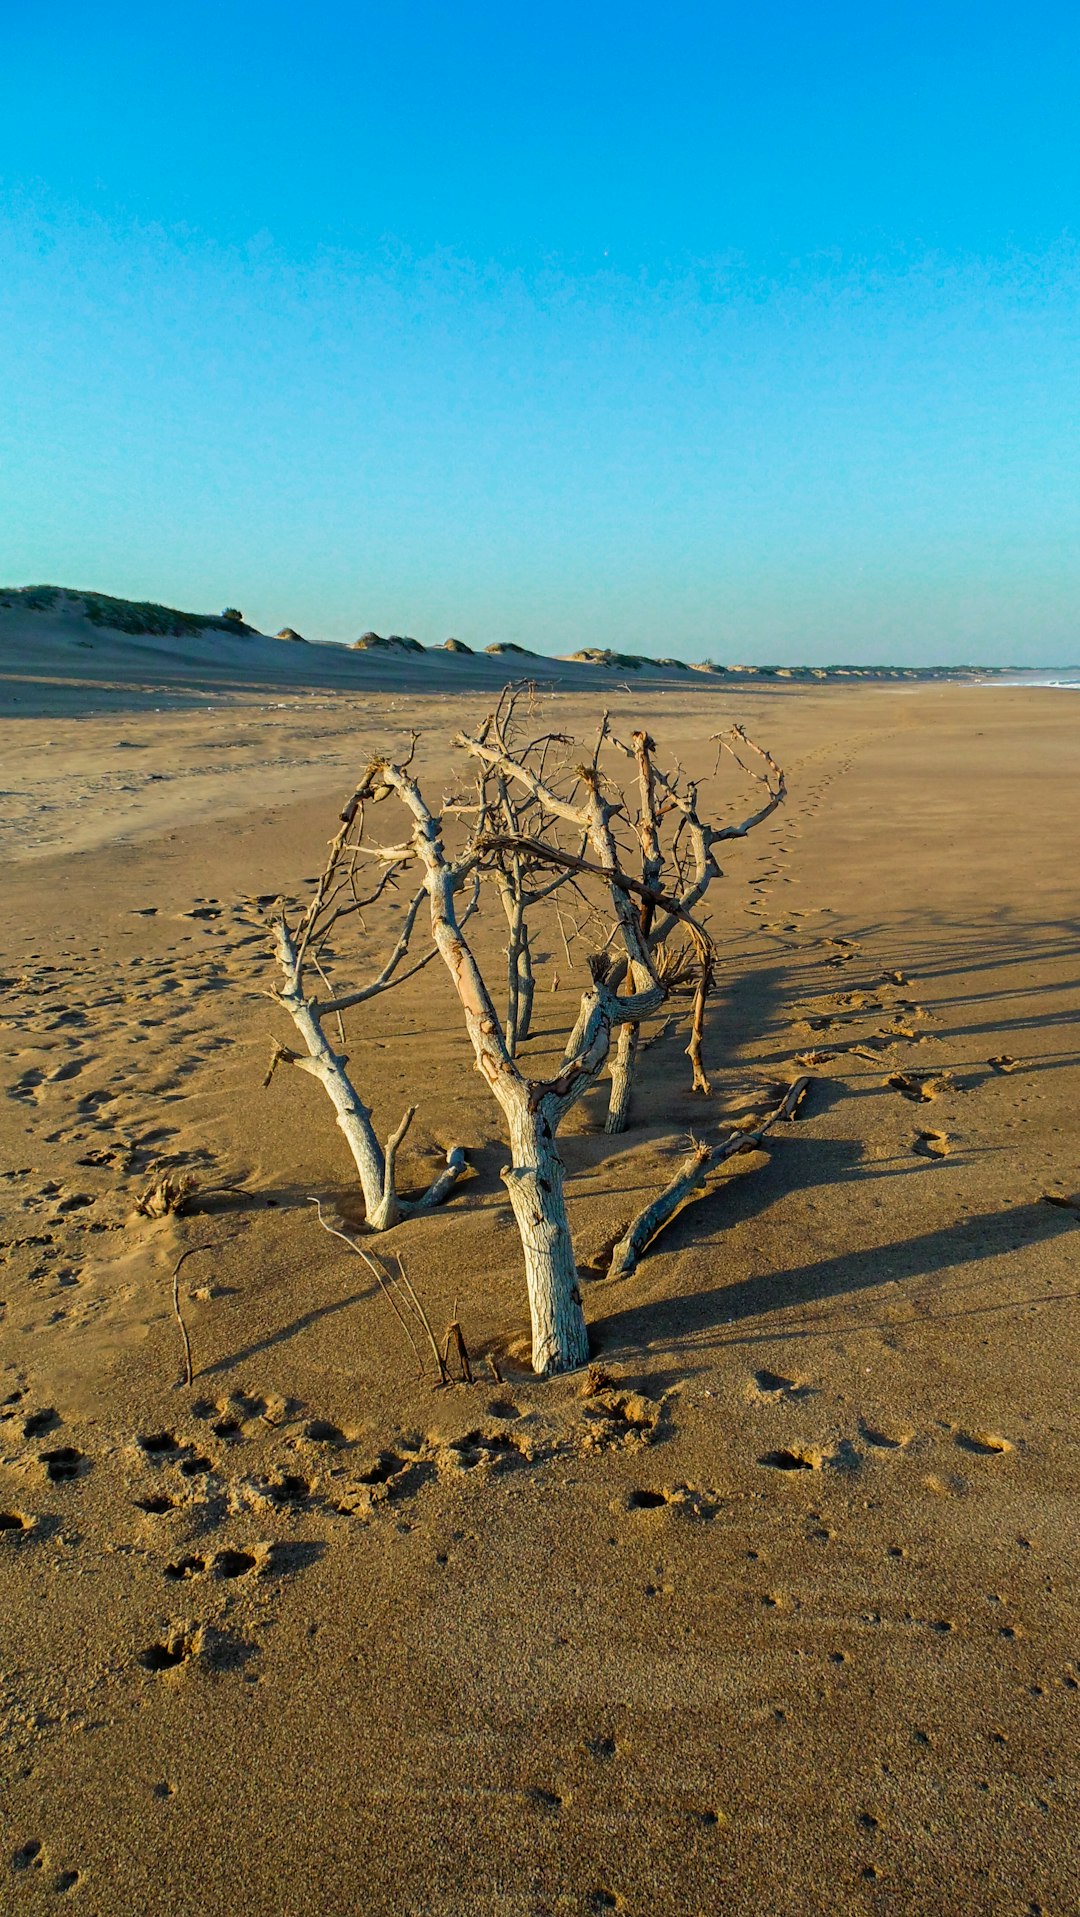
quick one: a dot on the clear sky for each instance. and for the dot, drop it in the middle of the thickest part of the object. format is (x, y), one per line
(745, 331)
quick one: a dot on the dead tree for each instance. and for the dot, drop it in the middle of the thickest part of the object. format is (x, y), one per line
(676, 849)
(337, 898)
(577, 802)
(535, 821)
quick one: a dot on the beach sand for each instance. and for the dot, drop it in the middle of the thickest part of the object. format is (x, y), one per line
(783, 1619)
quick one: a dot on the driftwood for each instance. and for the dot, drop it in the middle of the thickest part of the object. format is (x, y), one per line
(337, 897)
(538, 825)
(178, 1313)
(689, 1182)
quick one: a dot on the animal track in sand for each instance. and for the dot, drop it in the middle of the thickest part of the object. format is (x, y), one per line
(225, 1563)
(14, 1523)
(65, 1463)
(1003, 1063)
(321, 1431)
(284, 1490)
(932, 1144)
(169, 1654)
(922, 1087)
(897, 1438)
(188, 1567)
(182, 1643)
(679, 1500)
(774, 1388)
(29, 1856)
(985, 1444)
(499, 1449)
(39, 1422)
(795, 1458)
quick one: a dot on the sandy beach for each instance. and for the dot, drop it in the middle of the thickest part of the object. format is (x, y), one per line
(783, 1617)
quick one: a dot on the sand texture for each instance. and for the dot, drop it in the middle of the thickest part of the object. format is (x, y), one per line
(781, 1615)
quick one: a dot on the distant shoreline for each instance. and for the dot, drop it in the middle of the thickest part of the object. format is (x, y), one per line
(50, 627)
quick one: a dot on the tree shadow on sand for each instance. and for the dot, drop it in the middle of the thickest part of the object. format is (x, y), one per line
(703, 1320)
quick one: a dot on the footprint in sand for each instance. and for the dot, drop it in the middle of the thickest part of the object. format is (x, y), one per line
(1003, 1063)
(795, 1458)
(29, 1856)
(64, 1464)
(39, 1422)
(772, 1387)
(922, 1087)
(932, 1144)
(894, 1438)
(985, 1444)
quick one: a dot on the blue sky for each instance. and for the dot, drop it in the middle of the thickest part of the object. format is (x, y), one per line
(747, 332)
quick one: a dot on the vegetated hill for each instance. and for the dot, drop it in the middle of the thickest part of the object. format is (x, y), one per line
(145, 619)
(132, 616)
(373, 642)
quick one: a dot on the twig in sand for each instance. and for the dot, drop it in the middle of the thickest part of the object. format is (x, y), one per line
(384, 1280)
(178, 1314)
(455, 1337)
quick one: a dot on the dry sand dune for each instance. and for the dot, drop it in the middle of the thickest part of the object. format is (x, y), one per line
(783, 1617)
(54, 659)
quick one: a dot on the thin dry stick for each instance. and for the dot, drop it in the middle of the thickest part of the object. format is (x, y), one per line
(697, 1030)
(380, 1277)
(383, 1280)
(177, 1313)
(420, 1312)
(455, 1337)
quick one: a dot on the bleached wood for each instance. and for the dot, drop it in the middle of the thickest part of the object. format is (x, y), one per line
(689, 1181)
(376, 1168)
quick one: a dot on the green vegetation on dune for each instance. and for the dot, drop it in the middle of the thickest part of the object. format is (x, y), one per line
(140, 618)
(133, 616)
(373, 642)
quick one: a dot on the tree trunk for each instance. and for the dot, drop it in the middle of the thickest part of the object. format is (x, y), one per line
(353, 1116)
(377, 1169)
(526, 987)
(534, 1184)
(622, 1078)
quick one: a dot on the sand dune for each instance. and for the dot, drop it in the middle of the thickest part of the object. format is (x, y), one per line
(54, 658)
(780, 1616)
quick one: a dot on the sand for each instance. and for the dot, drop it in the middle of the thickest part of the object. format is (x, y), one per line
(783, 1617)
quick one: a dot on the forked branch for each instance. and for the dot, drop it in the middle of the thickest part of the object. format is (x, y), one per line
(690, 1179)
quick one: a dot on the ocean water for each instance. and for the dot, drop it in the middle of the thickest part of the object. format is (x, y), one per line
(1067, 677)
